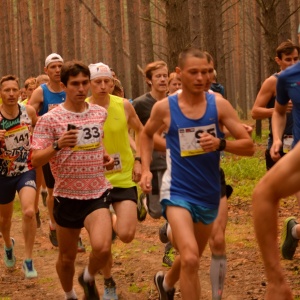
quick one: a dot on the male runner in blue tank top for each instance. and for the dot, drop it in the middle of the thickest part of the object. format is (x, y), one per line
(43, 99)
(190, 192)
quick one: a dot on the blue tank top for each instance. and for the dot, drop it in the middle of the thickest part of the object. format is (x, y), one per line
(192, 175)
(288, 87)
(289, 120)
(51, 99)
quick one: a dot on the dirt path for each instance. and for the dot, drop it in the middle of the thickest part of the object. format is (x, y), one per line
(136, 263)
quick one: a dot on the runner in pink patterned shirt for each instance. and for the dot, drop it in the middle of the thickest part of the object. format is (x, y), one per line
(70, 137)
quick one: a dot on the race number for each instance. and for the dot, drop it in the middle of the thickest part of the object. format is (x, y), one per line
(189, 139)
(117, 164)
(88, 138)
(287, 143)
(17, 137)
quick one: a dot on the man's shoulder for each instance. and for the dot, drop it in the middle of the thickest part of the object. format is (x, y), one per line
(142, 98)
(293, 70)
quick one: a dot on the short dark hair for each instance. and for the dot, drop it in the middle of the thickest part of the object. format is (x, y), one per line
(189, 52)
(287, 47)
(8, 78)
(73, 68)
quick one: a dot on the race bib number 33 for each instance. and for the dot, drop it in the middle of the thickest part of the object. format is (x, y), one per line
(88, 138)
(189, 139)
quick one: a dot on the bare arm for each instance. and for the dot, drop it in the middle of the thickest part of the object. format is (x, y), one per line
(37, 99)
(242, 143)
(41, 157)
(278, 126)
(32, 114)
(159, 141)
(134, 122)
(265, 94)
(159, 117)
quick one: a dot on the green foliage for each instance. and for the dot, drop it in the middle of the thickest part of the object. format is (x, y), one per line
(243, 173)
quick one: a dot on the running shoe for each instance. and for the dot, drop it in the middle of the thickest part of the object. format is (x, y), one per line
(110, 291)
(38, 219)
(141, 208)
(80, 247)
(90, 290)
(163, 233)
(28, 269)
(9, 255)
(53, 237)
(44, 194)
(288, 242)
(158, 281)
(169, 257)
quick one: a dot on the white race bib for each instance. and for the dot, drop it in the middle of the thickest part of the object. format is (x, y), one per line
(17, 137)
(287, 143)
(189, 139)
(117, 164)
(88, 138)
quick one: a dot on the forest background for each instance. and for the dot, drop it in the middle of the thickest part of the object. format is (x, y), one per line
(241, 35)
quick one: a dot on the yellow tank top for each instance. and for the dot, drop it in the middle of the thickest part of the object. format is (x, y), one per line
(116, 142)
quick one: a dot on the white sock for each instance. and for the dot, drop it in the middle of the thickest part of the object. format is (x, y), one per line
(71, 295)
(294, 233)
(87, 276)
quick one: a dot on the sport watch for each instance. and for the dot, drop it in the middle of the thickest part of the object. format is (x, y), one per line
(222, 145)
(55, 146)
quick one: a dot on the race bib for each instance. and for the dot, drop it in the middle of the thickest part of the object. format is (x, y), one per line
(287, 143)
(189, 139)
(117, 164)
(17, 137)
(88, 138)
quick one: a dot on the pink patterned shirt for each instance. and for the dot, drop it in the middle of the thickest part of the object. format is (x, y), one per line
(78, 172)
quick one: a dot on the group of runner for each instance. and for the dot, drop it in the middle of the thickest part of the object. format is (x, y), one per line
(91, 165)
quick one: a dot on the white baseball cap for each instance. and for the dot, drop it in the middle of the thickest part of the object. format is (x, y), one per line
(100, 70)
(54, 57)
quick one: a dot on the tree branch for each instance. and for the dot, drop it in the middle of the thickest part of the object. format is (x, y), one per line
(95, 18)
(286, 19)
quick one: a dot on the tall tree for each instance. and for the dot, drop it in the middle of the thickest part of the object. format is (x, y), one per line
(270, 31)
(41, 37)
(146, 32)
(178, 29)
(119, 41)
(133, 35)
(26, 40)
(48, 39)
(77, 30)
(195, 22)
(67, 29)
(284, 23)
(111, 7)
(35, 41)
